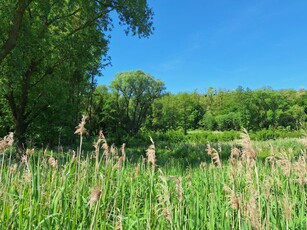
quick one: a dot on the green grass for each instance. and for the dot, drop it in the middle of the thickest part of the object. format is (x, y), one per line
(37, 195)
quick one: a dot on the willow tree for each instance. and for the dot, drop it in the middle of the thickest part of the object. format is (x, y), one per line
(134, 94)
(48, 48)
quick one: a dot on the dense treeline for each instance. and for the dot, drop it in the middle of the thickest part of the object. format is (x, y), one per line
(137, 101)
(231, 110)
(213, 110)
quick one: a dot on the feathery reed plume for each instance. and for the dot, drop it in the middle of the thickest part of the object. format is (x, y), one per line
(202, 166)
(284, 164)
(163, 197)
(7, 141)
(29, 152)
(53, 162)
(269, 181)
(13, 168)
(248, 152)
(97, 143)
(271, 159)
(113, 151)
(97, 147)
(105, 146)
(151, 154)
(123, 152)
(119, 223)
(232, 198)
(24, 160)
(94, 196)
(252, 211)
(215, 159)
(235, 153)
(119, 163)
(300, 169)
(234, 156)
(189, 178)
(80, 129)
(178, 183)
(137, 169)
(27, 176)
(287, 208)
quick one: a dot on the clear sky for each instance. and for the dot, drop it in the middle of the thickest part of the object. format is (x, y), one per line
(224, 44)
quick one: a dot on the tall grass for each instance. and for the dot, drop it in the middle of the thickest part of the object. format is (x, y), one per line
(104, 190)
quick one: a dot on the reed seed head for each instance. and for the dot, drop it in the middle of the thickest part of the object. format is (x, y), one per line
(94, 196)
(80, 129)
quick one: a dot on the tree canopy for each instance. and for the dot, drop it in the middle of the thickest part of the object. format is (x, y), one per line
(49, 50)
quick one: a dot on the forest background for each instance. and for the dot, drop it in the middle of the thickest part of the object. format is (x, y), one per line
(53, 52)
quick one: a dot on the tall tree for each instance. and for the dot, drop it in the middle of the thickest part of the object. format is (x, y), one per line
(48, 48)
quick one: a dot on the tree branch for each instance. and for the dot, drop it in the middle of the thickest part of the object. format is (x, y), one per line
(63, 16)
(10, 43)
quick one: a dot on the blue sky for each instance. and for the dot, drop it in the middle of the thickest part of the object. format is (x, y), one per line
(224, 44)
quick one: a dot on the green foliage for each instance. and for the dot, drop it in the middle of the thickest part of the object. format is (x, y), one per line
(49, 53)
(273, 134)
(208, 122)
(181, 111)
(134, 94)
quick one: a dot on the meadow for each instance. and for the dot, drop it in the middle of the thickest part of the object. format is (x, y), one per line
(104, 189)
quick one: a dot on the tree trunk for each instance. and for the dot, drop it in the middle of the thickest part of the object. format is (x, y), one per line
(20, 131)
(18, 107)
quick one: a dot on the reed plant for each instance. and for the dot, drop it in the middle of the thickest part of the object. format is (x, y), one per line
(105, 190)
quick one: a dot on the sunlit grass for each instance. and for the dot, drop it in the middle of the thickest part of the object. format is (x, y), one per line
(47, 190)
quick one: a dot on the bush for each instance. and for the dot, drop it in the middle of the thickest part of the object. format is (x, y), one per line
(273, 134)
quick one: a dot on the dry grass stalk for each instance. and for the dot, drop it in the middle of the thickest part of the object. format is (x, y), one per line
(7, 141)
(94, 196)
(215, 159)
(151, 154)
(80, 129)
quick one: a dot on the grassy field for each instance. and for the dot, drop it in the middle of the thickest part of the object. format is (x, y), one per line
(105, 190)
